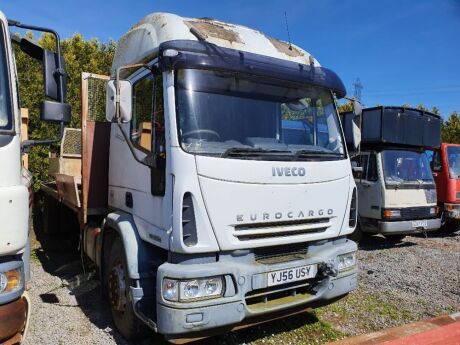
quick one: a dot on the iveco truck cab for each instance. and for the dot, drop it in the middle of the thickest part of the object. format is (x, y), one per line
(396, 190)
(445, 166)
(228, 188)
(15, 181)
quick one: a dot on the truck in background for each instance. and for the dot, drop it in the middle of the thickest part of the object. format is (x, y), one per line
(396, 190)
(15, 180)
(201, 202)
(445, 166)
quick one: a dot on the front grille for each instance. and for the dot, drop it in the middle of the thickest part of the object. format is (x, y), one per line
(279, 254)
(416, 213)
(254, 231)
(271, 297)
(458, 195)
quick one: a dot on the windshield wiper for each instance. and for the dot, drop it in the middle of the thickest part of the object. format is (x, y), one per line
(316, 154)
(250, 151)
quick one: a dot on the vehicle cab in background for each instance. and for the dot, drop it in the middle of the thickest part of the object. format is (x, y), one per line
(396, 190)
(445, 166)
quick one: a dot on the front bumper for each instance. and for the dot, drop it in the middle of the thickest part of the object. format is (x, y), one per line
(13, 317)
(406, 226)
(451, 211)
(13, 305)
(244, 276)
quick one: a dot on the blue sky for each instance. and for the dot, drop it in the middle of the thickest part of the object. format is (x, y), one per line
(403, 51)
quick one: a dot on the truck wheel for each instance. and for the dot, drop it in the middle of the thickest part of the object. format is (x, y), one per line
(451, 225)
(118, 284)
(395, 238)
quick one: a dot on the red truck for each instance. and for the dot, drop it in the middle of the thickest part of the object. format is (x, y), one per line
(445, 166)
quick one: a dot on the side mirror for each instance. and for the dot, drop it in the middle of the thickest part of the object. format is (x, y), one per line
(356, 123)
(121, 99)
(54, 76)
(55, 112)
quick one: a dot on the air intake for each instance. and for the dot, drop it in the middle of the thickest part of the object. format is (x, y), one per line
(353, 210)
(189, 235)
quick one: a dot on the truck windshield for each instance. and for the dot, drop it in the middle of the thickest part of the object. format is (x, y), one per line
(406, 167)
(241, 116)
(453, 159)
(5, 102)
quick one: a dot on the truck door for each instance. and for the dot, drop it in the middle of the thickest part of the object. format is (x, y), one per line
(137, 188)
(369, 187)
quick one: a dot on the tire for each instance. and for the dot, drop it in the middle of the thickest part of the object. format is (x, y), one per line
(395, 238)
(450, 226)
(118, 283)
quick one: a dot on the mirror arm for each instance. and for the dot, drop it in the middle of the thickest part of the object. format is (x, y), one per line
(27, 144)
(60, 70)
(132, 149)
(118, 118)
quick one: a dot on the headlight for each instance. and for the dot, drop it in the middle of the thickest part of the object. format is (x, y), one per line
(193, 289)
(433, 210)
(391, 213)
(10, 281)
(170, 290)
(347, 261)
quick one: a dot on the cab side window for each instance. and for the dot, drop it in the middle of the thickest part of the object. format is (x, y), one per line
(372, 174)
(435, 162)
(141, 123)
(364, 160)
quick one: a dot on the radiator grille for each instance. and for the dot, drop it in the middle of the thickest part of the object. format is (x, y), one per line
(416, 213)
(279, 254)
(255, 231)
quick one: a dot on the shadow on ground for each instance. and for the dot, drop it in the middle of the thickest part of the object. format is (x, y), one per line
(378, 242)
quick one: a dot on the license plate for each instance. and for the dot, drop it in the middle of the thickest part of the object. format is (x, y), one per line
(419, 223)
(290, 275)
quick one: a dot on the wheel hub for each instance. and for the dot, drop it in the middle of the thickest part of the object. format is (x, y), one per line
(117, 288)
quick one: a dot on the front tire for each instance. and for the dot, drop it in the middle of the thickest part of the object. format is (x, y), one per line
(118, 284)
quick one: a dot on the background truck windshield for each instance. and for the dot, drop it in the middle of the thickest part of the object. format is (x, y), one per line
(220, 111)
(5, 102)
(453, 159)
(406, 167)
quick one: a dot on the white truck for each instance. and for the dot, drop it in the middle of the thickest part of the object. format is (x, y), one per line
(219, 193)
(396, 189)
(15, 181)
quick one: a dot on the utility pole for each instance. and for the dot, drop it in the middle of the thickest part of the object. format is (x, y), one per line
(358, 87)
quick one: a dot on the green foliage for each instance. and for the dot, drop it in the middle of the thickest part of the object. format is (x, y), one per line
(80, 56)
(345, 107)
(450, 130)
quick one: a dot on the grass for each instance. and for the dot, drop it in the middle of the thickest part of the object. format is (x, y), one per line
(368, 311)
(34, 255)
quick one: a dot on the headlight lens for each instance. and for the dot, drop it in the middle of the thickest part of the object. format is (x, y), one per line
(170, 290)
(193, 289)
(433, 210)
(10, 281)
(391, 213)
(347, 261)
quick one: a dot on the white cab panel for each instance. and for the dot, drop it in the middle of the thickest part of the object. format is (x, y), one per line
(245, 215)
(14, 210)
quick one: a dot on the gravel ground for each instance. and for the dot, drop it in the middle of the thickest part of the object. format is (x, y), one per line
(416, 279)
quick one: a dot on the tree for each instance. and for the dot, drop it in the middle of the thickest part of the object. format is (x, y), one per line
(450, 130)
(80, 55)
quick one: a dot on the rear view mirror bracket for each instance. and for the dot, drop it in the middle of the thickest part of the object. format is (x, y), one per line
(55, 110)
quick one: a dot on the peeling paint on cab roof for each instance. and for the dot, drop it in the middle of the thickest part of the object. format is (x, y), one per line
(141, 42)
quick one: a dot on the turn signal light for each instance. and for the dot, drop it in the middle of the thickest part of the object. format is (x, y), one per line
(391, 213)
(10, 280)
